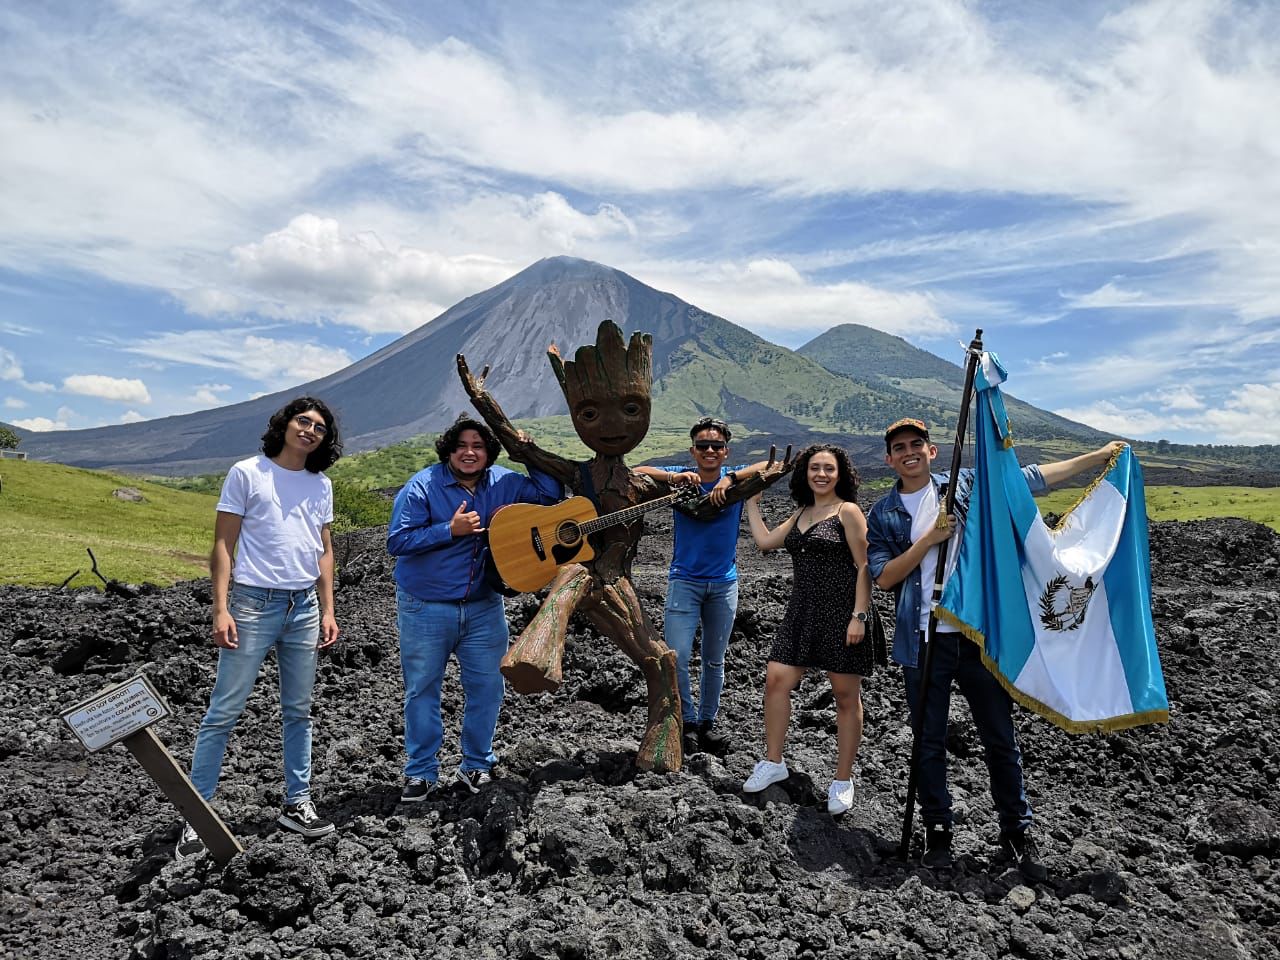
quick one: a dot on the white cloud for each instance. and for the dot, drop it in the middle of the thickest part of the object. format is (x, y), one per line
(132, 416)
(39, 386)
(10, 368)
(1175, 398)
(1107, 295)
(772, 297)
(270, 361)
(207, 394)
(41, 424)
(13, 403)
(1249, 415)
(107, 388)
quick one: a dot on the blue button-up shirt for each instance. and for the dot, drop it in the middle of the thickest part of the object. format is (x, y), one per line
(431, 563)
(889, 536)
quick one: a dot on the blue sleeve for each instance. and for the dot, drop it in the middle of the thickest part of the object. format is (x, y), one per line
(537, 487)
(411, 529)
(1035, 479)
(879, 552)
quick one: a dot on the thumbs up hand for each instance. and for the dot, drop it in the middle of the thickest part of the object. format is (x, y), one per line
(465, 521)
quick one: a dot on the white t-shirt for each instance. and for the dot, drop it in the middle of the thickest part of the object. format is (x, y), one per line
(284, 511)
(923, 507)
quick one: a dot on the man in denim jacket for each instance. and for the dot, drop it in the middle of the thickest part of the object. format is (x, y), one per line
(903, 535)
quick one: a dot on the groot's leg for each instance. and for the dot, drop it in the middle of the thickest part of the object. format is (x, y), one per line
(532, 665)
(619, 617)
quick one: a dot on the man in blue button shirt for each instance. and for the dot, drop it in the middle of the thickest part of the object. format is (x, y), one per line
(444, 604)
(902, 540)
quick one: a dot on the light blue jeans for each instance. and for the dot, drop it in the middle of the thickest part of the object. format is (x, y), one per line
(713, 605)
(287, 621)
(474, 631)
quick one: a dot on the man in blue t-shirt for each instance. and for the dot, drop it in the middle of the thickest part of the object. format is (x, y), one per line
(703, 582)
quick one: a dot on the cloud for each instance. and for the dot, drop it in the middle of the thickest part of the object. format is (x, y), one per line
(1108, 295)
(107, 388)
(41, 424)
(277, 363)
(10, 368)
(13, 403)
(1250, 414)
(1175, 398)
(771, 297)
(132, 416)
(207, 394)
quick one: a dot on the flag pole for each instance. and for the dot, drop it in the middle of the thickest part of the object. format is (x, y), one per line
(917, 726)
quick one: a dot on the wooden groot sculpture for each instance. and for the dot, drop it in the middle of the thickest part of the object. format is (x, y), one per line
(607, 386)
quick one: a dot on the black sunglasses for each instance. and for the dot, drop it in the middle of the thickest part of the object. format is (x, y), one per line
(709, 444)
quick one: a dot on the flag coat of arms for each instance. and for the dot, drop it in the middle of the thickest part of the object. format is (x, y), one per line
(1063, 614)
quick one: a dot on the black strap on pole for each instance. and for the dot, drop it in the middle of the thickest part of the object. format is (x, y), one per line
(917, 726)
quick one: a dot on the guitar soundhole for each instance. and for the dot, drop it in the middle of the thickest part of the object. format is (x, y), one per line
(568, 533)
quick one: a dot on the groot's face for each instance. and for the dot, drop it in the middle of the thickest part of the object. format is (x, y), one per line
(613, 426)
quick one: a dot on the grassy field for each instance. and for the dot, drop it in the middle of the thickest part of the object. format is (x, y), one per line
(50, 513)
(1261, 504)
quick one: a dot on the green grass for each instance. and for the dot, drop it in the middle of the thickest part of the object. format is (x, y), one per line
(49, 515)
(1261, 504)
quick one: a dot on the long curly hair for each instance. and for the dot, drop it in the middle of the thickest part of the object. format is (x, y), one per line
(448, 441)
(846, 475)
(322, 457)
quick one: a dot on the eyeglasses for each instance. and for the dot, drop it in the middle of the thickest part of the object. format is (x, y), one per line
(709, 444)
(306, 423)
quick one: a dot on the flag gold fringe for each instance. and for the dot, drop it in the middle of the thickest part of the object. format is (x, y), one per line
(1062, 519)
(1109, 725)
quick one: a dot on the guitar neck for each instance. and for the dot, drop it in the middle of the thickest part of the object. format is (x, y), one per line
(627, 515)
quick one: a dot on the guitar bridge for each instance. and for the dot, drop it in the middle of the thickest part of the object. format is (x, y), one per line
(536, 538)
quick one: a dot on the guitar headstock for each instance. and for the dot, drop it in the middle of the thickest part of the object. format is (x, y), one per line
(686, 494)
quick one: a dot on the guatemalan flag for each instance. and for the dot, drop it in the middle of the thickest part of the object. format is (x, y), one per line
(1063, 614)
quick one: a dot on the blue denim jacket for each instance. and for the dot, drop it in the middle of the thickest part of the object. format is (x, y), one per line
(431, 564)
(889, 536)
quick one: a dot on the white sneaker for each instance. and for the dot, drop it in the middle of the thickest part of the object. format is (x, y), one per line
(189, 843)
(840, 797)
(765, 773)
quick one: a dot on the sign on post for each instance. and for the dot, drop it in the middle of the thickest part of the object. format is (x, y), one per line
(114, 713)
(124, 713)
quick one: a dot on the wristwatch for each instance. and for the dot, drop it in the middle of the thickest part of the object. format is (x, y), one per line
(733, 477)
(861, 616)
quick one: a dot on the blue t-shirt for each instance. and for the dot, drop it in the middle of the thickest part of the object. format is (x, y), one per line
(706, 550)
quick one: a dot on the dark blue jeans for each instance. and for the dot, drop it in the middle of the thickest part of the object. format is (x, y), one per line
(958, 658)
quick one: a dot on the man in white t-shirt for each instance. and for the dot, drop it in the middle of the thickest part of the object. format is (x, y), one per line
(903, 534)
(273, 517)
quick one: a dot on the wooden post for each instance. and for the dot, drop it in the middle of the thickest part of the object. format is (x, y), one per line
(155, 758)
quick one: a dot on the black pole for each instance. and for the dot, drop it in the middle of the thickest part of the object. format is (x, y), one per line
(975, 348)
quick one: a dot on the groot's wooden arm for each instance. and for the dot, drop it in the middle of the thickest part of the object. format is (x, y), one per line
(518, 444)
(745, 488)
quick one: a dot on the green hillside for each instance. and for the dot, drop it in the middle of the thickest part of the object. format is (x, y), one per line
(911, 379)
(50, 514)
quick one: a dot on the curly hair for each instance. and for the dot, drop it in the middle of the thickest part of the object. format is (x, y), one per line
(710, 423)
(448, 441)
(846, 475)
(322, 457)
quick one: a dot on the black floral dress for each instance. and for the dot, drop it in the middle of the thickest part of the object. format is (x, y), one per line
(823, 592)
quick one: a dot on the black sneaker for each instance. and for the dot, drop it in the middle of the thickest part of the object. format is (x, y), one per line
(301, 817)
(689, 739)
(189, 843)
(416, 789)
(473, 780)
(710, 740)
(1020, 847)
(937, 847)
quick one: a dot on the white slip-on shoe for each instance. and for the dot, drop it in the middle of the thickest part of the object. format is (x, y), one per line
(766, 772)
(840, 797)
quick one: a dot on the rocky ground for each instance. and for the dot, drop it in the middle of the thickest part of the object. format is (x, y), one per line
(1161, 842)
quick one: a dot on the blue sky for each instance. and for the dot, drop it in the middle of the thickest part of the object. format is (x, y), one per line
(205, 202)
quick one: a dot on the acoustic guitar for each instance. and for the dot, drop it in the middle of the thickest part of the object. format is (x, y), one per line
(530, 543)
